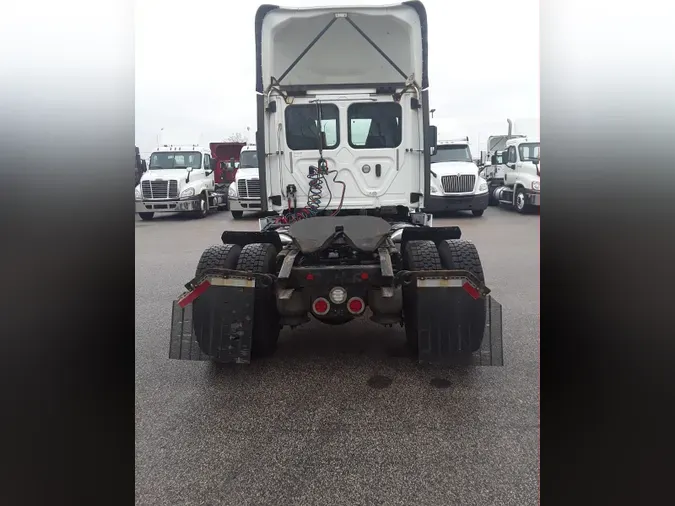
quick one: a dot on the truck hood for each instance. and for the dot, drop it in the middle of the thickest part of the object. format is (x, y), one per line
(454, 169)
(247, 174)
(165, 174)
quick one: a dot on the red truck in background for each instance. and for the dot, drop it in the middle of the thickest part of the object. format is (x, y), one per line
(226, 155)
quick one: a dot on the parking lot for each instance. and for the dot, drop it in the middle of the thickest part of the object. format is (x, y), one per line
(340, 414)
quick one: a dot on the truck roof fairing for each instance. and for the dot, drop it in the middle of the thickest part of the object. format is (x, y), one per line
(305, 47)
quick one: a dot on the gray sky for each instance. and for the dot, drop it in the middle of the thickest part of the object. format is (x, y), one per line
(195, 67)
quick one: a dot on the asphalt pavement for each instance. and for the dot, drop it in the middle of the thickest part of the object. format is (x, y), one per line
(340, 415)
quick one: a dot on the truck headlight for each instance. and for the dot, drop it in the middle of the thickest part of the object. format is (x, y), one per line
(232, 191)
(482, 187)
(535, 185)
(188, 192)
(433, 189)
(138, 194)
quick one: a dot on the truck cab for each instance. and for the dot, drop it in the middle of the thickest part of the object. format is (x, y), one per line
(456, 184)
(244, 194)
(226, 155)
(178, 179)
(516, 181)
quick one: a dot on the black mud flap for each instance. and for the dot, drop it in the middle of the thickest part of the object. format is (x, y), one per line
(447, 319)
(214, 321)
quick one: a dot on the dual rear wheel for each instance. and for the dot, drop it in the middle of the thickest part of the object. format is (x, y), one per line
(259, 258)
(454, 254)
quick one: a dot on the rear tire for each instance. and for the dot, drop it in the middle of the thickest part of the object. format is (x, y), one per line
(417, 256)
(460, 254)
(262, 258)
(221, 256)
(478, 212)
(146, 216)
(237, 215)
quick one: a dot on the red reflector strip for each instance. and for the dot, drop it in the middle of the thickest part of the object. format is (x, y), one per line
(471, 290)
(200, 289)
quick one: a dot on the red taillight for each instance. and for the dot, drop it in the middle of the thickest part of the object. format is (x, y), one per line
(471, 290)
(364, 276)
(320, 306)
(309, 277)
(356, 305)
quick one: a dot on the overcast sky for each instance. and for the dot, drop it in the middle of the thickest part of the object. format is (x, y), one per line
(195, 67)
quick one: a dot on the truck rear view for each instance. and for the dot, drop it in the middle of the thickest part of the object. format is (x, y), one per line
(343, 144)
(364, 116)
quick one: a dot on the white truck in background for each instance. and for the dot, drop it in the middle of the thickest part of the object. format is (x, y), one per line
(455, 182)
(513, 172)
(244, 193)
(178, 179)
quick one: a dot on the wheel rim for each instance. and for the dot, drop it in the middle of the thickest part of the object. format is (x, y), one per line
(520, 201)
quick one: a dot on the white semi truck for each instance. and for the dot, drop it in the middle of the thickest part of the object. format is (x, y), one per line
(344, 147)
(455, 182)
(244, 194)
(514, 171)
(178, 179)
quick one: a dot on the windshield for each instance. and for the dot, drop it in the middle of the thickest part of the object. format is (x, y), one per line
(248, 160)
(452, 153)
(175, 160)
(529, 151)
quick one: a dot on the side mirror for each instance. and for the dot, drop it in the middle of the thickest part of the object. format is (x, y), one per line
(433, 138)
(535, 161)
(212, 165)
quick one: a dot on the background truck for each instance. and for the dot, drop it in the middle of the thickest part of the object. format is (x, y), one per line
(513, 172)
(226, 155)
(179, 179)
(455, 183)
(244, 194)
(344, 148)
(140, 167)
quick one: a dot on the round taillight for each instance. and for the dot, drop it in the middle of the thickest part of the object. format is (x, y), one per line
(356, 305)
(320, 306)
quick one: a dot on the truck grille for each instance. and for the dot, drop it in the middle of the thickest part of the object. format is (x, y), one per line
(458, 184)
(249, 189)
(160, 189)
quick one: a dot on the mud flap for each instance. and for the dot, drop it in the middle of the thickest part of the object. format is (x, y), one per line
(217, 324)
(446, 322)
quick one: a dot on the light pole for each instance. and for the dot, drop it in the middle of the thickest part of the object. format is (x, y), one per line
(159, 137)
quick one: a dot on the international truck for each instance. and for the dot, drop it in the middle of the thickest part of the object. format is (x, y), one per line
(179, 179)
(344, 148)
(455, 182)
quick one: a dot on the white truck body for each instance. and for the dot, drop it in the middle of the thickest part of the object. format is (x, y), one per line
(455, 181)
(244, 194)
(372, 111)
(517, 181)
(178, 179)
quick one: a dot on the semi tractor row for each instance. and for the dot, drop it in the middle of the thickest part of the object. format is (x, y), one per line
(344, 151)
(197, 180)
